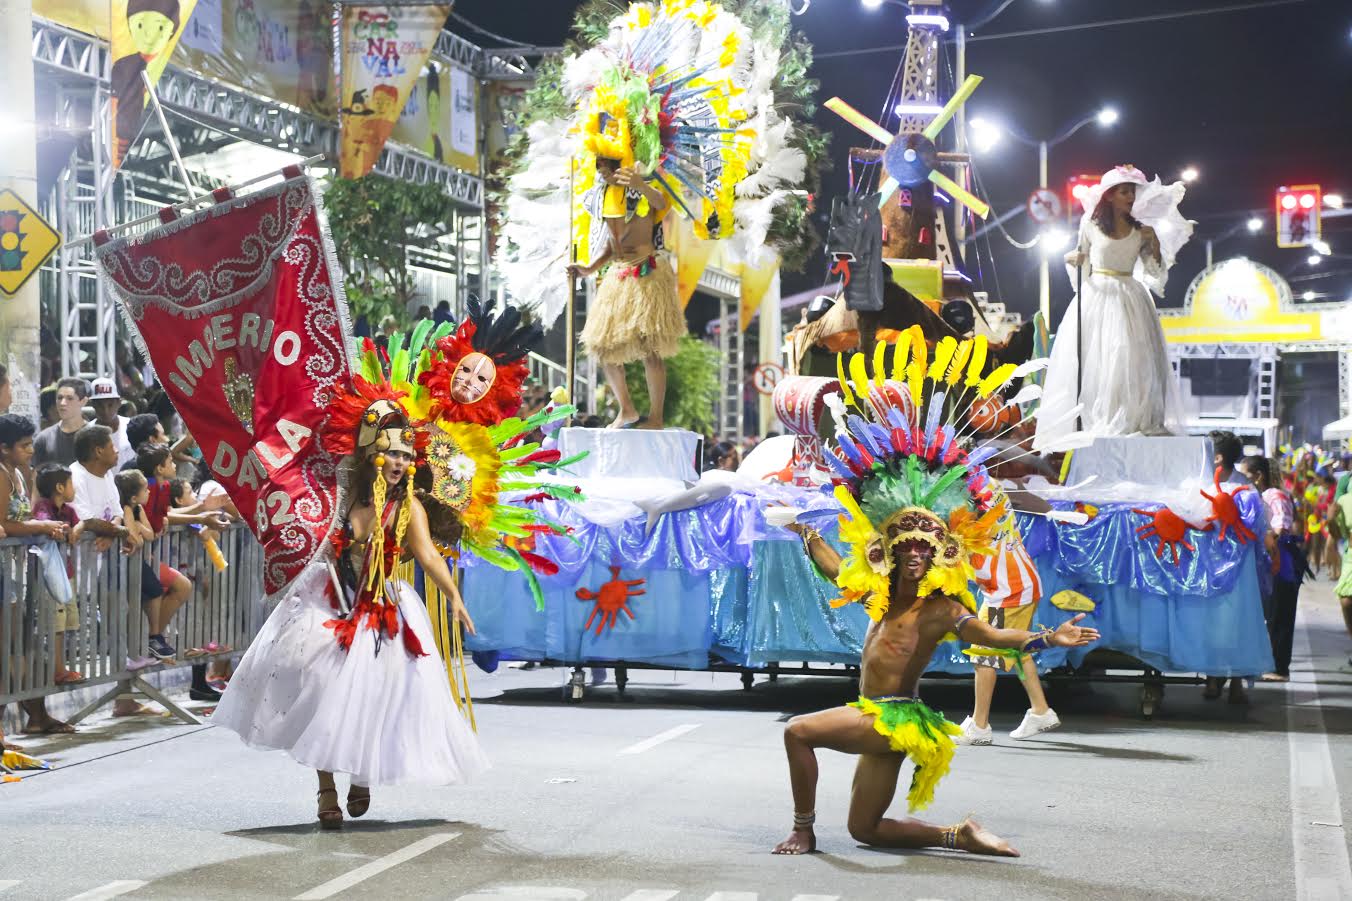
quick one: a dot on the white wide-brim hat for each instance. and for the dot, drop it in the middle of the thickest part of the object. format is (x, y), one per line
(1125, 174)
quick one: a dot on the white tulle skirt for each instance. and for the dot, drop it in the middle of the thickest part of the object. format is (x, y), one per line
(1128, 386)
(384, 719)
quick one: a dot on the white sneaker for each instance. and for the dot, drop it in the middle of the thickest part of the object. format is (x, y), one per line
(972, 734)
(1034, 723)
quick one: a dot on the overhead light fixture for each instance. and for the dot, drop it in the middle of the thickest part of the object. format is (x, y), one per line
(1321, 247)
(1333, 201)
(1107, 116)
(1189, 174)
(1255, 224)
(871, 4)
(919, 109)
(1308, 295)
(1313, 259)
(926, 19)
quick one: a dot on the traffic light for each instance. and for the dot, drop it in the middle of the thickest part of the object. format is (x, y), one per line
(1298, 223)
(11, 241)
(1077, 186)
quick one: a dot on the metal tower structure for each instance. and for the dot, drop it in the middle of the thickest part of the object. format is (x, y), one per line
(919, 101)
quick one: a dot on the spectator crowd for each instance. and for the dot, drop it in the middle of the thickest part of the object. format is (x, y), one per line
(120, 480)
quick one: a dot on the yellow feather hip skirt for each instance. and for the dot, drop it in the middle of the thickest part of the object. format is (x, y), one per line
(922, 734)
(635, 312)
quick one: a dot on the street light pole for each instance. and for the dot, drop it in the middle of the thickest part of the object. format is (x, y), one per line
(1044, 277)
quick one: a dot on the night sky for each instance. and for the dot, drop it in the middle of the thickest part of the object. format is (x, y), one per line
(1253, 98)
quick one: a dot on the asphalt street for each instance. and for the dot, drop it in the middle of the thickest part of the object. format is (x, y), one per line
(679, 790)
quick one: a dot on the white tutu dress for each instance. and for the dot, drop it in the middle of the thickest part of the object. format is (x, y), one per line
(384, 718)
(1128, 386)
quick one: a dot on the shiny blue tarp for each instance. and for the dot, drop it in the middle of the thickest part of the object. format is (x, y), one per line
(721, 585)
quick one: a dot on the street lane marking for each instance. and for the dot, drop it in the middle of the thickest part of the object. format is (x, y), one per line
(652, 894)
(732, 896)
(649, 743)
(1318, 833)
(528, 893)
(816, 898)
(374, 868)
(8, 883)
(111, 890)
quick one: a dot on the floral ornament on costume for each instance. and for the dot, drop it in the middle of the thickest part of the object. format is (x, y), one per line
(473, 462)
(904, 472)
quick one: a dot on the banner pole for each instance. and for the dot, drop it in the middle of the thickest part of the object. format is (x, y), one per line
(168, 135)
(570, 351)
(182, 205)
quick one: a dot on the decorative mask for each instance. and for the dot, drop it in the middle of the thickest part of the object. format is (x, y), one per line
(474, 376)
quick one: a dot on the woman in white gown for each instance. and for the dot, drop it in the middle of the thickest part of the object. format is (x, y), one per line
(1129, 236)
(353, 683)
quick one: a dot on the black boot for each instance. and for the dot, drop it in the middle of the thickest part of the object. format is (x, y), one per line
(200, 690)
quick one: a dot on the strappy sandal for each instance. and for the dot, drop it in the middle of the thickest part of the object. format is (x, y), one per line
(331, 815)
(358, 800)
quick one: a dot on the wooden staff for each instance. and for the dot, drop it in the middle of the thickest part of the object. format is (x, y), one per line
(1079, 333)
(570, 348)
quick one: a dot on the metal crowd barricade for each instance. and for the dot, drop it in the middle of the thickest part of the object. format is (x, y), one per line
(222, 614)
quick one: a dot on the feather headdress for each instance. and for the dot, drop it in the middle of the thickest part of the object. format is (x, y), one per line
(905, 471)
(476, 455)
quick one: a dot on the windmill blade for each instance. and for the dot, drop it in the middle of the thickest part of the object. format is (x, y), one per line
(859, 120)
(958, 192)
(951, 107)
(887, 190)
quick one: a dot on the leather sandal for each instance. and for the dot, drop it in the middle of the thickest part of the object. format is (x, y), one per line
(358, 800)
(330, 815)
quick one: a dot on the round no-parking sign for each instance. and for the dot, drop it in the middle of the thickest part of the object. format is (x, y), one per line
(767, 375)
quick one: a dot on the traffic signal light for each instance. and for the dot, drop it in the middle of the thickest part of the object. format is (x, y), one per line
(1298, 222)
(1077, 186)
(11, 241)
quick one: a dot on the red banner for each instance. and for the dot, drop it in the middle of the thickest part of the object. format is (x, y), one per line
(238, 308)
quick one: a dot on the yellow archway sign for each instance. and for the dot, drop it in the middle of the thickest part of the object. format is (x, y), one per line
(26, 241)
(1238, 301)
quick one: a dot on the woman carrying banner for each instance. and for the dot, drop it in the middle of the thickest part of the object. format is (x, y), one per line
(345, 675)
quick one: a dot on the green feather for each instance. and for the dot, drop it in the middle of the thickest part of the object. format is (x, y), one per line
(954, 473)
(418, 340)
(913, 477)
(534, 583)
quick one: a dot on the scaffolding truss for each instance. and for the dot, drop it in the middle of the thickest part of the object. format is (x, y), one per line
(208, 116)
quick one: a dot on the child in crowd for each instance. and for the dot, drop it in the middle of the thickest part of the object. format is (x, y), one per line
(206, 683)
(16, 521)
(163, 588)
(56, 490)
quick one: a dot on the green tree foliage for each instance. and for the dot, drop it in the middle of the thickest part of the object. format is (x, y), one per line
(692, 386)
(374, 220)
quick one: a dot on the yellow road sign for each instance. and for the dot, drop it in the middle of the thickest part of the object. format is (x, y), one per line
(26, 241)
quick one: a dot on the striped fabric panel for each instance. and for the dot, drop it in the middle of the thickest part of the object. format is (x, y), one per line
(1009, 578)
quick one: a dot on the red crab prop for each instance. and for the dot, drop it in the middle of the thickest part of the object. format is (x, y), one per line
(1225, 511)
(610, 600)
(1168, 527)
